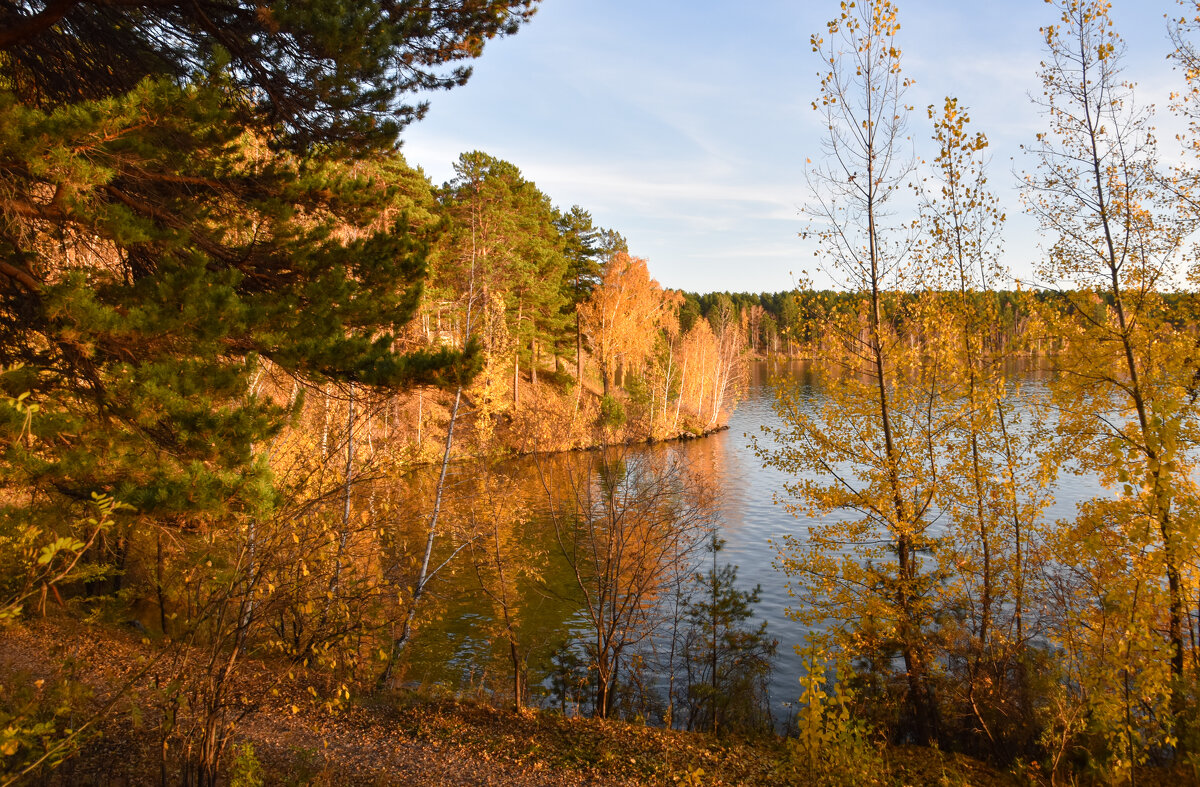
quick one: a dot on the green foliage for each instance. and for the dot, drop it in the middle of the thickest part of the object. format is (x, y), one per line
(38, 719)
(638, 390)
(505, 242)
(191, 257)
(36, 562)
(561, 378)
(728, 660)
(37, 559)
(612, 412)
(244, 769)
(689, 312)
(319, 73)
(162, 244)
(582, 248)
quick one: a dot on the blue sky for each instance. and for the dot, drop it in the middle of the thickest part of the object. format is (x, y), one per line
(685, 125)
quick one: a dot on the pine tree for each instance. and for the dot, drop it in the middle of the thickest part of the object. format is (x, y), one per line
(315, 73)
(729, 661)
(138, 315)
(582, 251)
(505, 235)
(160, 244)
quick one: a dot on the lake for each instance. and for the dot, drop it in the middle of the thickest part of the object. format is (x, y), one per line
(461, 649)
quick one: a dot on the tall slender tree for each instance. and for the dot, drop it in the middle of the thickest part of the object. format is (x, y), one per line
(581, 247)
(997, 465)
(1125, 380)
(866, 454)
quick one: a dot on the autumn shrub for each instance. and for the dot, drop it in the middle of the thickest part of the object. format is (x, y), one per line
(988, 707)
(306, 766)
(41, 548)
(546, 421)
(637, 696)
(833, 746)
(1187, 725)
(39, 721)
(568, 678)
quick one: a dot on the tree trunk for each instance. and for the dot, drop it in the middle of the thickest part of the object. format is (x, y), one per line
(713, 665)
(518, 677)
(158, 583)
(920, 700)
(424, 576)
(344, 532)
(516, 387)
(682, 385)
(579, 350)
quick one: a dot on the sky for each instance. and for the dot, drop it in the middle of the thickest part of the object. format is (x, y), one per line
(685, 124)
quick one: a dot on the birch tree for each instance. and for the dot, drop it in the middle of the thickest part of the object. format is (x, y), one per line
(995, 482)
(1125, 382)
(621, 317)
(862, 463)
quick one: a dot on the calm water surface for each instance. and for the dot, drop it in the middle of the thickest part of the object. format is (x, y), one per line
(752, 524)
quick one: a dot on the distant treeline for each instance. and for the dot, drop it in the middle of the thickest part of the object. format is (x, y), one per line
(797, 322)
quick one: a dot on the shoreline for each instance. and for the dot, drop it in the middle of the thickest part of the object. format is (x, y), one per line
(511, 454)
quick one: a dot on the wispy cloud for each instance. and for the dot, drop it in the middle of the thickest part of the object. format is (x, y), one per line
(686, 126)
